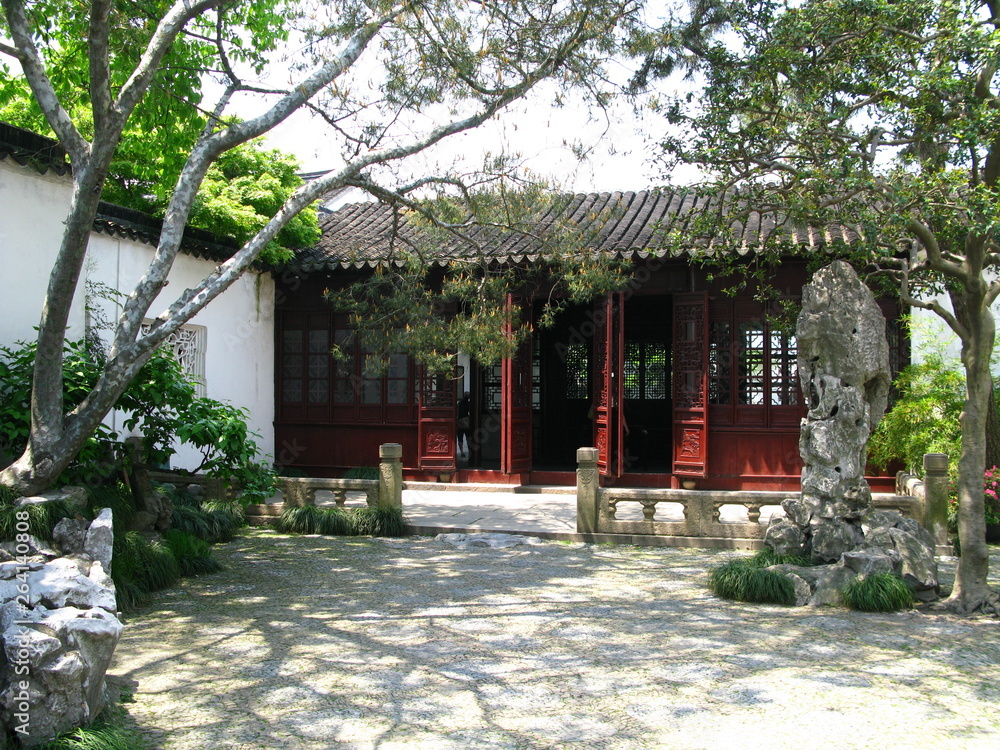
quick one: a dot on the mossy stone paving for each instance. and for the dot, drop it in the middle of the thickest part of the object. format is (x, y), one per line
(316, 642)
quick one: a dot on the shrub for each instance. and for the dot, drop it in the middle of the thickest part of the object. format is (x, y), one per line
(193, 555)
(745, 581)
(991, 494)
(884, 592)
(116, 496)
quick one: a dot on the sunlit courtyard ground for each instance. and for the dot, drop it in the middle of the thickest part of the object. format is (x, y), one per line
(312, 642)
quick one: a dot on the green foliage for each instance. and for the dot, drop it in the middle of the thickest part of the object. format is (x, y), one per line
(108, 732)
(745, 581)
(243, 189)
(379, 520)
(116, 496)
(884, 592)
(767, 557)
(309, 519)
(193, 555)
(140, 567)
(924, 418)
(235, 511)
(364, 521)
(161, 402)
(41, 518)
(362, 472)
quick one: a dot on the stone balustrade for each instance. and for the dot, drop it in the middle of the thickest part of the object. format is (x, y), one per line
(699, 518)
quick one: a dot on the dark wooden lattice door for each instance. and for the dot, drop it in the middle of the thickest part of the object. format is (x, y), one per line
(516, 412)
(436, 425)
(609, 356)
(690, 386)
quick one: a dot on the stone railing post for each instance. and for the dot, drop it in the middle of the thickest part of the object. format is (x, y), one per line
(936, 495)
(588, 491)
(390, 474)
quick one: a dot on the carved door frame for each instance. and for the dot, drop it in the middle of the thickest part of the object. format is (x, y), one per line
(436, 421)
(609, 385)
(690, 384)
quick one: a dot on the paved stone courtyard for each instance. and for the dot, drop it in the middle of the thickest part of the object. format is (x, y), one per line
(312, 642)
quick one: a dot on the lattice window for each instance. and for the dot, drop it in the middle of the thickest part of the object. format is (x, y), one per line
(646, 367)
(784, 370)
(720, 363)
(577, 372)
(750, 363)
(188, 344)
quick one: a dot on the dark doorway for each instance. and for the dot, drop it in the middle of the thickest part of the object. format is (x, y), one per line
(648, 407)
(564, 363)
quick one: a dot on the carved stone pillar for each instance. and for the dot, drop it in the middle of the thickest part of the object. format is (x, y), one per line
(588, 491)
(390, 474)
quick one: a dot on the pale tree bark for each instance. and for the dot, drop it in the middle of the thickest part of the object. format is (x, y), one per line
(972, 592)
(57, 437)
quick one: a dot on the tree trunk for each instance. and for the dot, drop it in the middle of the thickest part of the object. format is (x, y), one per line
(972, 592)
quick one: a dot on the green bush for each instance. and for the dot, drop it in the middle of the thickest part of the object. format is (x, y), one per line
(744, 581)
(193, 555)
(924, 418)
(116, 496)
(884, 592)
(111, 730)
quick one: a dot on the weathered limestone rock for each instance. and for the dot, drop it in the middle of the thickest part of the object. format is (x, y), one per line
(100, 539)
(59, 635)
(69, 534)
(155, 512)
(843, 362)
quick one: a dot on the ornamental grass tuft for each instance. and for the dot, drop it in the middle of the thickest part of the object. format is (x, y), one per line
(378, 520)
(140, 567)
(193, 555)
(744, 581)
(365, 521)
(884, 592)
(767, 557)
(42, 518)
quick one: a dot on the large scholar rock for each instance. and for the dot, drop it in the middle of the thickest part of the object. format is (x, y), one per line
(843, 362)
(58, 631)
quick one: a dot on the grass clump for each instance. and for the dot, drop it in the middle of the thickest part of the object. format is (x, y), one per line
(884, 592)
(139, 567)
(362, 472)
(42, 518)
(116, 496)
(767, 557)
(193, 555)
(308, 519)
(111, 730)
(365, 521)
(745, 581)
(378, 520)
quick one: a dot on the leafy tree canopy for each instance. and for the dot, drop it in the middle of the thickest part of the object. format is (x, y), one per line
(880, 117)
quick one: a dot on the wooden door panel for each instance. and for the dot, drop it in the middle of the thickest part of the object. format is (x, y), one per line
(516, 407)
(690, 386)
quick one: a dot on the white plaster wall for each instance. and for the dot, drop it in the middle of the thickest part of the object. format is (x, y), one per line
(239, 362)
(32, 209)
(239, 359)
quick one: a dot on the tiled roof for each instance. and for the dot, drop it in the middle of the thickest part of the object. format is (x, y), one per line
(30, 149)
(628, 224)
(44, 154)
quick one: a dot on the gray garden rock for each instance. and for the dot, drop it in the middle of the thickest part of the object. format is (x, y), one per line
(485, 539)
(60, 584)
(100, 539)
(70, 534)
